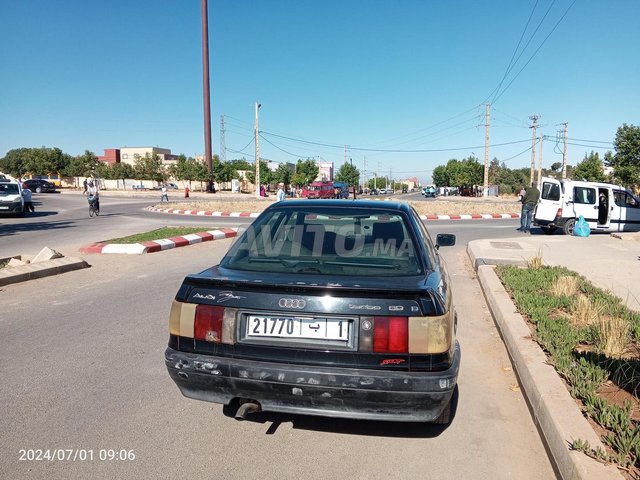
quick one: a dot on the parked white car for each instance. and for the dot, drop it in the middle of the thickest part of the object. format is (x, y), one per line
(605, 207)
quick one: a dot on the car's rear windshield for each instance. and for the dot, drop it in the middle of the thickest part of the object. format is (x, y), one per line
(8, 188)
(340, 241)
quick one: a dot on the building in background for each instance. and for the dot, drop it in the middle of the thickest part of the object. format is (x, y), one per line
(411, 183)
(131, 154)
(325, 173)
(111, 156)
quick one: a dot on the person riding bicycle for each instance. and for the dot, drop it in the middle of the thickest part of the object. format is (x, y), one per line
(93, 195)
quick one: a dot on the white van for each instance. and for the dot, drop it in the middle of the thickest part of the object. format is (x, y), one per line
(11, 200)
(606, 207)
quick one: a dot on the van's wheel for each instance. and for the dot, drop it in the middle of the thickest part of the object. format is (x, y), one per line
(549, 230)
(569, 226)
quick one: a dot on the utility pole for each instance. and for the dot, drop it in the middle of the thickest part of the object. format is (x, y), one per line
(223, 145)
(540, 162)
(257, 142)
(564, 152)
(485, 190)
(534, 120)
(205, 91)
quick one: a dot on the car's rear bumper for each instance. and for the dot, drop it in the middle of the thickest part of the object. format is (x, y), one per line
(325, 391)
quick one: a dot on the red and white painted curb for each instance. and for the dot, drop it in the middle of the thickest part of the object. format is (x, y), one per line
(162, 244)
(481, 216)
(203, 213)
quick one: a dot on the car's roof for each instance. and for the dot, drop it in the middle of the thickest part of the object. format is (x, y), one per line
(360, 204)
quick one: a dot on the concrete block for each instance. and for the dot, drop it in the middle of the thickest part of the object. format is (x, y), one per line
(46, 254)
(15, 262)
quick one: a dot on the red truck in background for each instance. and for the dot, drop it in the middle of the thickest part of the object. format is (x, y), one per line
(319, 190)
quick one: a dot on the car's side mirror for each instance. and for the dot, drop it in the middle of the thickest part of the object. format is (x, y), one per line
(445, 240)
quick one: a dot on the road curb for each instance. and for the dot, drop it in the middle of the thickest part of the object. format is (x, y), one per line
(31, 271)
(206, 213)
(203, 213)
(160, 244)
(554, 411)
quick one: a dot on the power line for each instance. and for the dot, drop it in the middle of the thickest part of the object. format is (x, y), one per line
(391, 150)
(281, 149)
(508, 69)
(537, 50)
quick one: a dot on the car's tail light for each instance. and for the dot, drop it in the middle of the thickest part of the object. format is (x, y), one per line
(559, 213)
(430, 334)
(208, 323)
(390, 334)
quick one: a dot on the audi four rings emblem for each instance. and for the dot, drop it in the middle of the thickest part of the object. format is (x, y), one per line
(291, 303)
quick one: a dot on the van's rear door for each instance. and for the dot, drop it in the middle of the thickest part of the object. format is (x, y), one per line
(550, 200)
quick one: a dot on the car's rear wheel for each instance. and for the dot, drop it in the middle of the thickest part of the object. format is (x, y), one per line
(569, 226)
(549, 230)
(38, 189)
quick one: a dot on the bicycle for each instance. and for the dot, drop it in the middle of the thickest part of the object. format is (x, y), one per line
(93, 206)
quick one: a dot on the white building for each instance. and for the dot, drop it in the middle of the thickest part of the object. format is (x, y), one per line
(131, 154)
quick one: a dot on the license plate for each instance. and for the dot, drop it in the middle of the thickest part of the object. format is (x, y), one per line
(305, 328)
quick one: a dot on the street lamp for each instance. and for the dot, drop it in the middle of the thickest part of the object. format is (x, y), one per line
(257, 142)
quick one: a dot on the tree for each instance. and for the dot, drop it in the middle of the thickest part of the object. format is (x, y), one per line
(626, 161)
(149, 168)
(265, 173)
(556, 166)
(13, 162)
(282, 174)
(348, 174)
(121, 171)
(84, 165)
(440, 177)
(306, 172)
(37, 161)
(589, 169)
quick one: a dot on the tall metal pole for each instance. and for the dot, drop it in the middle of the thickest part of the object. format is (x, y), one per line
(564, 152)
(223, 145)
(485, 190)
(205, 88)
(257, 142)
(540, 162)
(534, 119)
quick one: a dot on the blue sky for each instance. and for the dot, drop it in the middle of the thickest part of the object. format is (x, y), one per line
(375, 75)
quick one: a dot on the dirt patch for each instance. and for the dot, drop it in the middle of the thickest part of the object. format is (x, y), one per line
(450, 206)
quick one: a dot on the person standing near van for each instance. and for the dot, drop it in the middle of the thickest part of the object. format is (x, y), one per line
(529, 201)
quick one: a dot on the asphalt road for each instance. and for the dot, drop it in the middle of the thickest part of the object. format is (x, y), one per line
(62, 222)
(81, 359)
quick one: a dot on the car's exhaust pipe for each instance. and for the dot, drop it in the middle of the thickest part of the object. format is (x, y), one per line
(250, 406)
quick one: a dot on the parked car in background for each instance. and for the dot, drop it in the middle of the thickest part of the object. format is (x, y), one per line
(172, 186)
(11, 200)
(39, 186)
(373, 191)
(430, 191)
(337, 309)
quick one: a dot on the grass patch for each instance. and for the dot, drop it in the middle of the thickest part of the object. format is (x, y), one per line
(592, 339)
(165, 232)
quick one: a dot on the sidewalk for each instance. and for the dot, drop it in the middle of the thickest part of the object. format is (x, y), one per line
(609, 262)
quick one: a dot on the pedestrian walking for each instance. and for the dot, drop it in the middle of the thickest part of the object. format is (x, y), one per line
(280, 193)
(165, 194)
(529, 201)
(28, 199)
(85, 185)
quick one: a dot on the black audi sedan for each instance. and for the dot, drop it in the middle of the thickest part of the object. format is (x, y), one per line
(330, 308)
(39, 186)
